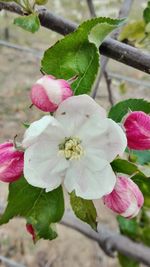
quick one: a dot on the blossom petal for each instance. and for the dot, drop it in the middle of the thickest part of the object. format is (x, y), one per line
(111, 142)
(92, 128)
(88, 184)
(43, 167)
(75, 111)
(47, 126)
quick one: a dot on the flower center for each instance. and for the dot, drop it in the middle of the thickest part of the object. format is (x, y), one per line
(71, 148)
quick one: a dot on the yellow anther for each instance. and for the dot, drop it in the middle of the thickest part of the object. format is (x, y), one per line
(71, 148)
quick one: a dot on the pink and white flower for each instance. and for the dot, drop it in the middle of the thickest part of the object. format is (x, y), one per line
(126, 199)
(137, 128)
(48, 92)
(11, 162)
(75, 148)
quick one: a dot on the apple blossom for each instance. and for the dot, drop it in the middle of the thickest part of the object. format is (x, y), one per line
(137, 128)
(11, 162)
(75, 147)
(126, 198)
(48, 92)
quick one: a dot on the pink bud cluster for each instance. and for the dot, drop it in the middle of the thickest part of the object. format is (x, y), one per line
(126, 199)
(11, 162)
(137, 128)
(48, 92)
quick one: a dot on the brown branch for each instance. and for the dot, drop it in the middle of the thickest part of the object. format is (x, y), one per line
(126, 54)
(109, 241)
(11, 7)
(55, 22)
(110, 48)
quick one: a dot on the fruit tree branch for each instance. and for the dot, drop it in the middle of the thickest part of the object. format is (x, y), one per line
(110, 48)
(110, 241)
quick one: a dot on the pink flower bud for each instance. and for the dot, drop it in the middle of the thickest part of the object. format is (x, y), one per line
(126, 199)
(31, 231)
(137, 127)
(48, 92)
(11, 162)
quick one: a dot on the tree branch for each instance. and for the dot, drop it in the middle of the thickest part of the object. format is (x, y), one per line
(109, 241)
(110, 48)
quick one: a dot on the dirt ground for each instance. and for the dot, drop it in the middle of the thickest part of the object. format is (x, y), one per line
(18, 71)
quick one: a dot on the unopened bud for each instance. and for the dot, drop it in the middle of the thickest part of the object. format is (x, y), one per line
(137, 128)
(47, 93)
(126, 199)
(11, 162)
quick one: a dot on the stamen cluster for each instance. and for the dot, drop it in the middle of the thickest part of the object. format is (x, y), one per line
(71, 148)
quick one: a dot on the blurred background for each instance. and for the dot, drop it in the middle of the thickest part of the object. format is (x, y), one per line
(19, 69)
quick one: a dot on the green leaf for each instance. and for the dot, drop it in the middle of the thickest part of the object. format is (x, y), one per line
(122, 88)
(41, 209)
(128, 227)
(41, 2)
(84, 210)
(134, 31)
(144, 185)
(146, 13)
(127, 262)
(143, 156)
(118, 111)
(145, 235)
(124, 166)
(26, 125)
(144, 227)
(29, 23)
(76, 55)
(137, 229)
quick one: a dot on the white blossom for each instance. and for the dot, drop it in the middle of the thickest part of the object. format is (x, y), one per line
(75, 147)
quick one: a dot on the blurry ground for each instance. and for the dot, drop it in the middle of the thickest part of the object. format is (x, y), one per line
(18, 71)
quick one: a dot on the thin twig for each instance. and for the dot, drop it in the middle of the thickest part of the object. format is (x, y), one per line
(104, 62)
(34, 52)
(108, 83)
(123, 12)
(110, 48)
(10, 263)
(120, 77)
(103, 65)
(91, 8)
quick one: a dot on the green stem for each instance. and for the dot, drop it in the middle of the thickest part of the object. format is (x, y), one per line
(28, 7)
